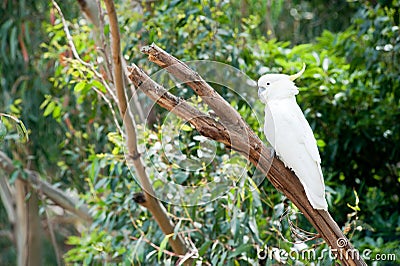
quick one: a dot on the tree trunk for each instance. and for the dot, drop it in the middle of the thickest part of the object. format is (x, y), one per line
(27, 226)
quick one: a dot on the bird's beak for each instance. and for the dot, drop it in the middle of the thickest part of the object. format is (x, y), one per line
(295, 76)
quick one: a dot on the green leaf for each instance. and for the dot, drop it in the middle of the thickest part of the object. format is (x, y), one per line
(241, 249)
(354, 208)
(176, 229)
(14, 176)
(186, 127)
(106, 29)
(163, 245)
(14, 109)
(57, 112)
(49, 108)
(18, 101)
(357, 198)
(99, 85)
(45, 102)
(204, 247)
(321, 143)
(73, 240)
(80, 86)
(13, 43)
(22, 132)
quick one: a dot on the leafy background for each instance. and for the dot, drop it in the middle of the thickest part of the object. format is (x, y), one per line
(350, 95)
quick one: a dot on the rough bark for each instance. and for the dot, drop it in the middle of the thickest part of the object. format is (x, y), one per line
(242, 139)
(28, 227)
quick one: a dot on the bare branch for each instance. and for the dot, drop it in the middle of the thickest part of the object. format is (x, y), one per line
(203, 123)
(110, 106)
(54, 194)
(193, 79)
(134, 95)
(143, 237)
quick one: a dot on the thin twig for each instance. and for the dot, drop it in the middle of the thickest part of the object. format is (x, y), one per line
(165, 251)
(134, 93)
(111, 109)
(76, 54)
(105, 51)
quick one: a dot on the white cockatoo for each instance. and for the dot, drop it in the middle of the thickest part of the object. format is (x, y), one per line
(288, 131)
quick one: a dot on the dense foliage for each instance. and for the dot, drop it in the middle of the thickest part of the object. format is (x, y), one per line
(350, 94)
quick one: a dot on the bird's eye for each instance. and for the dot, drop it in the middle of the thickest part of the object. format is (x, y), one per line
(268, 83)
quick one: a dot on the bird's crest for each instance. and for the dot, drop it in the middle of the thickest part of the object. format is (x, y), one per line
(298, 74)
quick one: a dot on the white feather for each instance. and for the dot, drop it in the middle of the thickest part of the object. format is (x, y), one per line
(289, 133)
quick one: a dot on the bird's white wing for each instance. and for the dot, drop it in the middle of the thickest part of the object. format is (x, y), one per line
(308, 136)
(317, 186)
(289, 120)
(296, 146)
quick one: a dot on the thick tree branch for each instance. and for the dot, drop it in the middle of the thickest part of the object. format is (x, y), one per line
(193, 79)
(247, 144)
(151, 202)
(54, 194)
